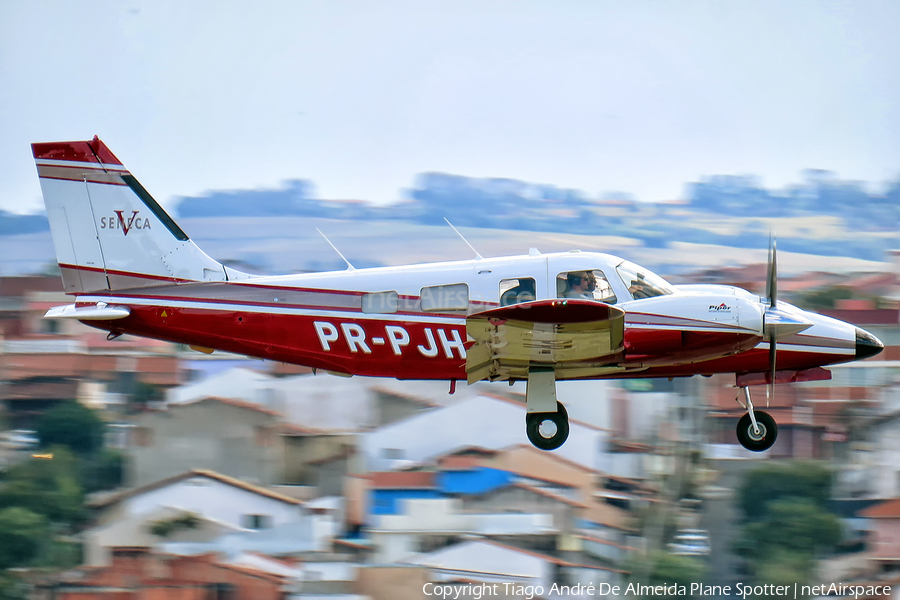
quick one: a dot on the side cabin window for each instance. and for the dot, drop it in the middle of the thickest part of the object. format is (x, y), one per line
(642, 283)
(585, 285)
(380, 302)
(516, 290)
(445, 297)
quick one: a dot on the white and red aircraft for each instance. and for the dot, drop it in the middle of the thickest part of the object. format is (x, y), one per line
(537, 318)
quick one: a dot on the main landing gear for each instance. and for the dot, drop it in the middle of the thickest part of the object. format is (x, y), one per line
(546, 422)
(756, 431)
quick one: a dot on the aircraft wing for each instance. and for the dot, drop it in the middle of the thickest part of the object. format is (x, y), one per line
(558, 334)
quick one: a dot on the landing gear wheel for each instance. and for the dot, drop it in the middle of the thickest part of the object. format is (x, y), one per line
(757, 441)
(548, 431)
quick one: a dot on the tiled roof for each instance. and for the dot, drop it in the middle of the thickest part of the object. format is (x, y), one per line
(402, 480)
(238, 483)
(550, 494)
(889, 509)
(875, 316)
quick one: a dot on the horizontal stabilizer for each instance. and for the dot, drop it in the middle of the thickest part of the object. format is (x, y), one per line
(97, 312)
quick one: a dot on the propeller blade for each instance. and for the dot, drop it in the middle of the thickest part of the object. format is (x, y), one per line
(772, 294)
(772, 273)
(770, 390)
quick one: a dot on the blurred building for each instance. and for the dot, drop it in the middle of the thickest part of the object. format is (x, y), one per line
(237, 439)
(43, 361)
(220, 504)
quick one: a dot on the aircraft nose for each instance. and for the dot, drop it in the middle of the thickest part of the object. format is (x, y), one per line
(867, 344)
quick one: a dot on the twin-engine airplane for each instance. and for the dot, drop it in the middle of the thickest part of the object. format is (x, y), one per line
(537, 318)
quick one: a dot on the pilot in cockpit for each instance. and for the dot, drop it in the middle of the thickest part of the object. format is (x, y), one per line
(580, 284)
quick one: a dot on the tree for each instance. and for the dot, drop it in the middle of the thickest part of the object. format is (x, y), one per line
(669, 569)
(145, 394)
(102, 471)
(48, 487)
(771, 483)
(796, 526)
(21, 534)
(787, 520)
(71, 424)
(784, 568)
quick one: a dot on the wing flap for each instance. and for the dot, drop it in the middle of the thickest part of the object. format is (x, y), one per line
(562, 334)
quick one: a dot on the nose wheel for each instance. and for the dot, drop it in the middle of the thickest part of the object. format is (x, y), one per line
(756, 431)
(548, 431)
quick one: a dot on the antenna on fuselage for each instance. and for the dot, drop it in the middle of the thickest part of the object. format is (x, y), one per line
(349, 266)
(477, 256)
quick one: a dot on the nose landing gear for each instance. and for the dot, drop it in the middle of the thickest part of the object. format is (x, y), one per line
(756, 431)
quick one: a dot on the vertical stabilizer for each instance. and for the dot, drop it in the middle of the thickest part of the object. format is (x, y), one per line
(109, 233)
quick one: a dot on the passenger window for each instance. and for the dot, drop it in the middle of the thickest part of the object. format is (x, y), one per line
(514, 291)
(585, 285)
(380, 302)
(445, 297)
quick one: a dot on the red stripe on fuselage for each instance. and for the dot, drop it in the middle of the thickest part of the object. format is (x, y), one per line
(360, 346)
(399, 348)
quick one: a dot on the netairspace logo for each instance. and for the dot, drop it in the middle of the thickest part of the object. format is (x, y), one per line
(528, 592)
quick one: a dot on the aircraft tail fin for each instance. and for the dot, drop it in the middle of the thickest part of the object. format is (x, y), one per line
(108, 231)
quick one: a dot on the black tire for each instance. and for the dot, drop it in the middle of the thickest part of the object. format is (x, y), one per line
(757, 442)
(533, 423)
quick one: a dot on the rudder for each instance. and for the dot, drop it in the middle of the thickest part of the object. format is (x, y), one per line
(108, 231)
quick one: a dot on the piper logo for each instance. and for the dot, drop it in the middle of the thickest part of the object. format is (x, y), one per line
(719, 308)
(126, 224)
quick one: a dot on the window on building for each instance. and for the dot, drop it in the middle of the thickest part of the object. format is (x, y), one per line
(516, 290)
(590, 284)
(263, 436)
(445, 297)
(392, 453)
(257, 522)
(380, 302)
(142, 437)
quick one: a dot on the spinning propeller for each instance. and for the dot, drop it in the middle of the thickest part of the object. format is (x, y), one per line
(778, 322)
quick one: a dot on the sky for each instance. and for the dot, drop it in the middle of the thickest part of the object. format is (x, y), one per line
(359, 97)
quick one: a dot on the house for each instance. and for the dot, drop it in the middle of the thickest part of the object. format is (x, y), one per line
(884, 545)
(873, 466)
(321, 459)
(317, 402)
(237, 439)
(16, 293)
(237, 383)
(226, 503)
(139, 573)
(489, 421)
(427, 524)
(41, 371)
(391, 582)
(389, 488)
(415, 511)
(486, 561)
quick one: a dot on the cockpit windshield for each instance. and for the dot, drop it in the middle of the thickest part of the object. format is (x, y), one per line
(641, 282)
